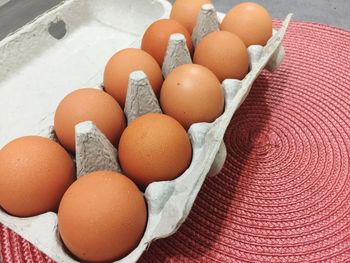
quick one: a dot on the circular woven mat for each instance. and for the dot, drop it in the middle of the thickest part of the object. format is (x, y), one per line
(284, 193)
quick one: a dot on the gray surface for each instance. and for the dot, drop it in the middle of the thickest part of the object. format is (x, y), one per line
(16, 13)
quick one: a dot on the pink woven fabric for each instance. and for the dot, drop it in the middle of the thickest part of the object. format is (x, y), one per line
(284, 193)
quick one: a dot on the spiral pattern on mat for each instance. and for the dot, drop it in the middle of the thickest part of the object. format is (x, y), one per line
(284, 193)
(15, 249)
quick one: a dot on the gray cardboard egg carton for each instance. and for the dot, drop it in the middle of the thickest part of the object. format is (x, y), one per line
(169, 202)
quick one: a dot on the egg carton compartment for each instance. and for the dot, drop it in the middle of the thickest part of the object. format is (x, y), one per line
(169, 202)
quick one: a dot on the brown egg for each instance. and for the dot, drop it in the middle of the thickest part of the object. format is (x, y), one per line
(102, 217)
(34, 174)
(186, 12)
(156, 38)
(119, 67)
(251, 22)
(154, 147)
(88, 105)
(192, 93)
(224, 54)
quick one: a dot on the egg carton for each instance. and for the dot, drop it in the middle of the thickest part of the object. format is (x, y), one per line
(57, 53)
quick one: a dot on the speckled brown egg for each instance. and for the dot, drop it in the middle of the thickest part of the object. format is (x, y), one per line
(88, 104)
(102, 217)
(124, 62)
(192, 93)
(186, 12)
(34, 174)
(224, 54)
(154, 147)
(156, 38)
(250, 21)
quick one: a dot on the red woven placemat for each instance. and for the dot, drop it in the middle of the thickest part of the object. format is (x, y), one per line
(284, 193)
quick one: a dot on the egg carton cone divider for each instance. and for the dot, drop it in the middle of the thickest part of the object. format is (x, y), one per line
(94, 152)
(177, 54)
(140, 97)
(207, 22)
(169, 202)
